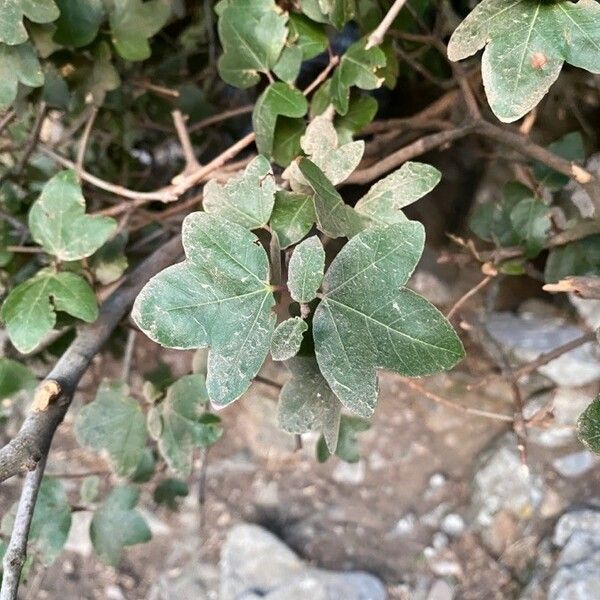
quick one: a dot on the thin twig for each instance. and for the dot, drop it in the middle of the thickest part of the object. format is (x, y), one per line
(472, 292)
(83, 143)
(223, 116)
(6, 119)
(128, 355)
(191, 163)
(34, 137)
(378, 34)
(16, 553)
(323, 75)
(417, 387)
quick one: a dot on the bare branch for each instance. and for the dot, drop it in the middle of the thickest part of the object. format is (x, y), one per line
(83, 143)
(191, 163)
(378, 34)
(33, 440)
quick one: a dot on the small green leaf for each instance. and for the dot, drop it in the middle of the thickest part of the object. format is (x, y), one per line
(109, 263)
(293, 217)
(348, 448)
(361, 111)
(588, 426)
(219, 297)
(339, 11)
(145, 469)
(581, 257)
(305, 273)
(531, 219)
(320, 143)
(526, 44)
(18, 64)
(167, 492)
(132, 22)
(58, 222)
(286, 141)
(334, 217)
(288, 66)
(79, 22)
(29, 311)
(89, 489)
(306, 402)
(309, 36)
(569, 147)
(367, 320)
(116, 525)
(358, 67)
(12, 29)
(178, 426)
(287, 338)
(383, 202)
(115, 423)
(253, 34)
(247, 198)
(14, 378)
(51, 519)
(279, 99)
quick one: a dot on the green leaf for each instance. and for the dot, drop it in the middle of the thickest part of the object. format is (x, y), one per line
(79, 22)
(293, 217)
(581, 257)
(288, 66)
(383, 202)
(278, 99)
(287, 338)
(51, 519)
(526, 44)
(313, 10)
(358, 67)
(339, 11)
(334, 217)
(305, 272)
(309, 36)
(116, 525)
(569, 147)
(348, 448)
(29, 311)
(219, 297)
(247, 198)
(253, 34)
(132, 22)
(320, 143)
(367, 320)
(12, 30)
(145, 469)
(167, 492)
(588, 426)
(178, 423)
(89, 489)
(361, 111)
(18, 64)
(286, 141)
(58, 222)
(102, 76)
(531, 219)
(306, 402)
(14, 378)
(109, 263)
(115, 423)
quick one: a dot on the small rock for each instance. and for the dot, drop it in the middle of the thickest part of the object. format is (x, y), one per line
(575, 464)
(439, 540)
(350, 473)
(585, 521)
(437, 480)
(406, 525)
(440, 590)
(79, 534)
(526, 337)
(453, 525)
(443, 562)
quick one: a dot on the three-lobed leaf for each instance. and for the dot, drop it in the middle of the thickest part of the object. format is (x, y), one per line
(278, 99)
(58, 222)
(253, 34)
(220, 298)
(29, 311)
(246, 199)
(180, 424)
(526, 44)
(293, 217)
(115, 423)
(367, 320)
(79, 22)
(383, 203)
(117, 524)
(18, 64)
